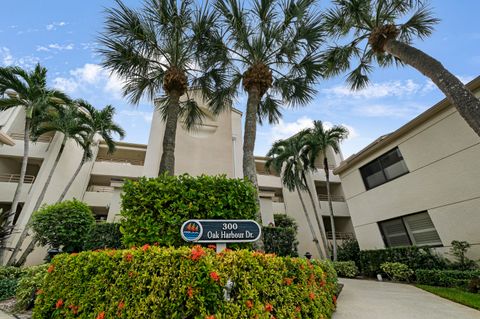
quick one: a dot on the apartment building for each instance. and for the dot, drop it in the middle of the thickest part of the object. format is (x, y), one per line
(419, 185)
(215, 147)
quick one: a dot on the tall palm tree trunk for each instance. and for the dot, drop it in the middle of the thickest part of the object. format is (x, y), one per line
(23, 170)
(330, 206)
(24, 233)
(466, 103)
(167, 163)
(70, 182)
(249, 135)
(310, 225)
(317, 217)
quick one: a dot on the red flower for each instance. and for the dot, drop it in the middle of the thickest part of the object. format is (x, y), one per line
(322, 283)
(298, 309)
(214, 247)
(311, 295)
(334, 300)
(249, 304)
(190, 292)
(288, 281)
(51, 268)
(121, 305)
(210, 317)
(129, 257)
(59, 304)
(101, 315)
(197, 252)
(214, 276)
(268, 307)
(74, 309)
(39, 292)
(73, 254)
(145, 247)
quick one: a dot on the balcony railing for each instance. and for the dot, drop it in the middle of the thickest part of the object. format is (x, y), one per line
(335, 198)
(100, 189)
(20, 136)
(340, 235)
(15, 178)
(121, 160)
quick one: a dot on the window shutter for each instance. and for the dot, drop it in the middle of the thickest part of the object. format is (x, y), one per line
(395, 233)
(421, 230)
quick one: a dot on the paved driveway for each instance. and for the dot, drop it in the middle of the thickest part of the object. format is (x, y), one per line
(363, 299)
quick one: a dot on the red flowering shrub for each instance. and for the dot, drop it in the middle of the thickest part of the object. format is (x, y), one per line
(169, 283)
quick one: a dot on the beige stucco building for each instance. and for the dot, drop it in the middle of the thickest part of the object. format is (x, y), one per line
(419, 185)
(215, 147)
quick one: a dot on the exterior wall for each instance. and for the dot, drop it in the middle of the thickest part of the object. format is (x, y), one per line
(444, 179)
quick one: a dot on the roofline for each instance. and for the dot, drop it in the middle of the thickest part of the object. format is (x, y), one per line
(388, 138)
(5, 139)
(118, 143)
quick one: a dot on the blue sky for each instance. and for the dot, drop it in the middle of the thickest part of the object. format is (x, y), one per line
(62, 36)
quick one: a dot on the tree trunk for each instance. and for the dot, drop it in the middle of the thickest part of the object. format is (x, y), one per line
(330, 206)
(23, 170)
(457, 93)
(70, 182)
(24, 233)
(310, 225)
(249, 135)
(167, 163)
(317, 217)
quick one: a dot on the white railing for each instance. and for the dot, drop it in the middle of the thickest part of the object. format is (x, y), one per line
(340, 235)
(335, 198)
(100, 189)
(20, 136)
(15, 178)
(121, 160)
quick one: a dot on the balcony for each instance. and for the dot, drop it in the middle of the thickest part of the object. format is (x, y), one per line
(270, 181)
(340, 235)
(121, 160)
(8, 185)
(117, 167)
(15, 178)
(98, 196)
(334, 198)
(41, 139)
(340, 207)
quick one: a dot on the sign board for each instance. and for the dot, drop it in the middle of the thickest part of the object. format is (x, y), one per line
(220, 231)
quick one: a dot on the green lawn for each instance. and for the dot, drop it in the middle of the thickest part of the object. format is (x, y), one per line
(454, 294)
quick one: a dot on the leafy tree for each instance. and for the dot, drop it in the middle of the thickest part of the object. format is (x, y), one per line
(65, 119)
(28, 90)
(272, 52)
(286, 156)
(318, 141)
(64, 225)
(96, 122)
(382, 31)
(162, 50)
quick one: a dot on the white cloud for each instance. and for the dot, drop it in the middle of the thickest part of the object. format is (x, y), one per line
(89, 73)
(7, 59)
(405, 110)
(54, 25)
(381, 90)
(56, 46)
(64, 84)
(5, 56)
(145, 116)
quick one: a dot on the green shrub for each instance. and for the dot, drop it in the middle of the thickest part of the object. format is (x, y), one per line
(64, 225)
(462, 262)
(188, 282)
(349, 251)
(7, 288)
(154, 209)
(104, 235)
(413, 257)
(10, 272)
(397, 271)
(345, 268)
(32, 279)
(474, 285)
(281, 239)
(446, 278)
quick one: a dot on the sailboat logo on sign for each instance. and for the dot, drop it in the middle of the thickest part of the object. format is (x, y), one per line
(191, 230)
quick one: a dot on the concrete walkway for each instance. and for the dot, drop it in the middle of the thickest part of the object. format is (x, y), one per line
(362, 299)
(4, 315)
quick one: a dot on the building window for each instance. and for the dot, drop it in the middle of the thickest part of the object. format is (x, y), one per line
(416, 229)
(383, 169)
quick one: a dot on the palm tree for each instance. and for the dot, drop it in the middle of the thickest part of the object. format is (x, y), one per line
(97, 122)
(66, 119)
(26, 89)
(317, 142)
(286, 156)
(375, 34)
(272, 50)
(163, 48)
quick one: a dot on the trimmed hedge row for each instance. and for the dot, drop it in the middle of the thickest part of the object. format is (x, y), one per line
(345, 268)
(155, 208)
(413, 257)
(446, 278)
(154, 282)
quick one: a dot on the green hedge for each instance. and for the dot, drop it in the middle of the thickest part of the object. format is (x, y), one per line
(30, 282)
(188, 282)
(154, 209)
(104, 235)
(281, 239)
(413, 257)
(446, 278)
(345, 268)
(8, 288)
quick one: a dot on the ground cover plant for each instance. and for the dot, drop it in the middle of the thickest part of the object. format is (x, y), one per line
(188, 282)
(455, 294)
(154, 209)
